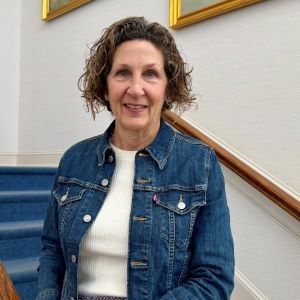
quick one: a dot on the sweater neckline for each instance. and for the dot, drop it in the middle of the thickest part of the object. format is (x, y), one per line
(123, 154)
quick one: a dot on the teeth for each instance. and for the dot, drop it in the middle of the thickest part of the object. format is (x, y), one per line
(135, 106)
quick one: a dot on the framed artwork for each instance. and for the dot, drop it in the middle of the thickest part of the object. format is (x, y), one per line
(186, 12)
(54, 8)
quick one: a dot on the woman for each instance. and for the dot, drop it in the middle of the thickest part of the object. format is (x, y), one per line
(140, 211)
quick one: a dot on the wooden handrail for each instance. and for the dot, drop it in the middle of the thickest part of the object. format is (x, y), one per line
(257, 180)
(7, 288)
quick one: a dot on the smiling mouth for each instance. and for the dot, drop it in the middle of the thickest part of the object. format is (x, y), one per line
(135, 106)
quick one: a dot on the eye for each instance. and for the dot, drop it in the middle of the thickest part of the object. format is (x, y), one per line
(122, 73)
(151, 73)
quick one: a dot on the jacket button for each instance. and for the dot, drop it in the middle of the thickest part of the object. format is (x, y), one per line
(143, 154)
(64, 197)
(110, 159)
(181, 205)
(87, 218)
(73, 258)
(104, 182)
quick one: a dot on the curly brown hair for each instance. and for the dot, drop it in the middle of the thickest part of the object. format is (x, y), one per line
(93, 85)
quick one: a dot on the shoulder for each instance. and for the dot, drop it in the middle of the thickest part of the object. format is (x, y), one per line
(195, 149)
(81, 158)
(84, 151)
(94, 144)
(188, 142)
(184, 138)
(84, 145)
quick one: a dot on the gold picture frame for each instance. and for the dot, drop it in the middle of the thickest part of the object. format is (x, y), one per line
(54, 8)
(217, 7)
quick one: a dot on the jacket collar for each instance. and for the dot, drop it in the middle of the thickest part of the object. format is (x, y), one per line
(159, 150)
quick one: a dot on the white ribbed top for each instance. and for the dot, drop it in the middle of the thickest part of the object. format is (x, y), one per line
(103, 254)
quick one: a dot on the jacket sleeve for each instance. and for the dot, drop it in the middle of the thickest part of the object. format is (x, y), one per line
(51, 269)
(211, 269)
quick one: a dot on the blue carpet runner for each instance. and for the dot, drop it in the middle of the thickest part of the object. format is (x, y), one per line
(24, 197)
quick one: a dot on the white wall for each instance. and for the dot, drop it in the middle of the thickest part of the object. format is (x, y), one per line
(266, 239)
(9, 75)
(247, 70)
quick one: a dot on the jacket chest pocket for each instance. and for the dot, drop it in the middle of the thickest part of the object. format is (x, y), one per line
(177, 214)
(68, 192)
(68, 196)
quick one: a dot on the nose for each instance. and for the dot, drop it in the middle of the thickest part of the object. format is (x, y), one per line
(136, 88)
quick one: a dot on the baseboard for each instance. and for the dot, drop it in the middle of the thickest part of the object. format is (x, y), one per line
(8, 159)
(30, 159)
(245, 289)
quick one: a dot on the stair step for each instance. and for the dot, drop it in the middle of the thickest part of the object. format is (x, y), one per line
(25, 193)
(24, 196)
(22, 270)
(26, 178)
(20, 239)
(13, 230)
(23, 273)
(23, 205)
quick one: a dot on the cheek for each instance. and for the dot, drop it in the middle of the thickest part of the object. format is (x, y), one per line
(161, 96)
(158, 103)
(113, 92)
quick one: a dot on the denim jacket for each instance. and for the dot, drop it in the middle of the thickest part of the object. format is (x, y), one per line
(180, 242)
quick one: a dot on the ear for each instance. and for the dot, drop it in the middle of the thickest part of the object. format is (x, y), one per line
(107, 104)
(167, 104)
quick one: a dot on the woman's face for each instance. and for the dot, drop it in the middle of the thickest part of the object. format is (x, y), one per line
(136, 86)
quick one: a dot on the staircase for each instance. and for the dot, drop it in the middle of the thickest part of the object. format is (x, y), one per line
(24, 198)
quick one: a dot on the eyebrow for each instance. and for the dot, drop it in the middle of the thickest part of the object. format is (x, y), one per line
(151, 65)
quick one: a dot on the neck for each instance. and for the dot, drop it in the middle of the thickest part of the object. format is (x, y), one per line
(133, 140)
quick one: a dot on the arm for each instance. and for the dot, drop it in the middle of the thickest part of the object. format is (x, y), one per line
(52, 265)
(211, 267)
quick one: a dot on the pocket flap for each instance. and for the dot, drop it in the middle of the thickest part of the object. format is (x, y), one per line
(68, 192)
(181, 202)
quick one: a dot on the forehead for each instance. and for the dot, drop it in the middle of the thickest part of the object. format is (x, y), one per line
(138, 49)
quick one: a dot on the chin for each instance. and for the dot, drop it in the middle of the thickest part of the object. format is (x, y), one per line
(137, 124)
